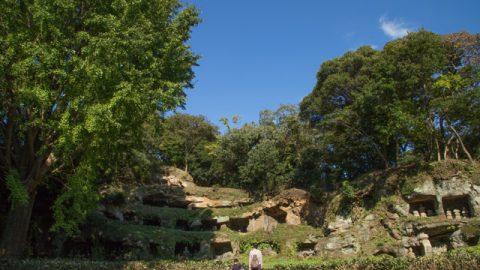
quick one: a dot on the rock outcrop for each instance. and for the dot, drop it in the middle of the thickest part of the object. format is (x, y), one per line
(172, 215)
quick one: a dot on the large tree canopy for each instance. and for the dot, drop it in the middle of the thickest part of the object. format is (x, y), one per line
(415, 99)
(185, 143)
(78, 79)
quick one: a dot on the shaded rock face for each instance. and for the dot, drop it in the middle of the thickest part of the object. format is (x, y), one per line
(339, 225)
(262, 222)
(292, 207)
(222, 249)
(238, 224)
(175, 188)
(457, 193)
(394, 225)
(338, 246)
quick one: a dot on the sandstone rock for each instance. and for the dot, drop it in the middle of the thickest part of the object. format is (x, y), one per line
(395, 251)
(345, 245)
(341, 224)
(425, 243)
(457, 239)
(262, 222)
(221, 248)
(221, 220)
(437, 228)
(306, 253)
(399, 210)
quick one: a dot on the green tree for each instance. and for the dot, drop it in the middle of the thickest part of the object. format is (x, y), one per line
(260, 158)
(377, 109)
(186, 141)
(78, 79)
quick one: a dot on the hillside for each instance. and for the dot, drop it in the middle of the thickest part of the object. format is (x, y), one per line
(406, 212)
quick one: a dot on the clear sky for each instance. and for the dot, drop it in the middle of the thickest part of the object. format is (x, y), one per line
(259, 54)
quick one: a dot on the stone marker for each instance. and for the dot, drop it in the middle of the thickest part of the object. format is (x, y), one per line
(425, 243)
(457, 214)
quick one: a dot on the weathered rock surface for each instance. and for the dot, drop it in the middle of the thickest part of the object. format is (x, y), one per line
(338, 245)
(432, 218)
(292, 207)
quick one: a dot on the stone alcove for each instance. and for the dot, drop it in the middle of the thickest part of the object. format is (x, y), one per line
(306, 246)
(182, 224)
(278, 214)
(457, 205)
(220, 248)
(209, 225)
(423, 206)
(152, 221)
(186, 249)
(238, 224)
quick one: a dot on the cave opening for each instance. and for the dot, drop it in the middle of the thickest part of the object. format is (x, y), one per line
(305, 246)
(425, 206)
(155, 201)
(278, 214)
(182, 224)
(221, 248)
(209, 225)
(458, 206)
(238, 224)
(186, 249)
(130, 216)
(153, 248)
(152, 221)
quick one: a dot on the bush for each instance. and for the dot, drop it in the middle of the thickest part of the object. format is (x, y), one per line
(348, 191)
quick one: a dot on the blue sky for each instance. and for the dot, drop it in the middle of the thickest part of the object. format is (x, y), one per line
(259, 54)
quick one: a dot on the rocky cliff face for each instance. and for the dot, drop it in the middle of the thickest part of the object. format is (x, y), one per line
(401, 213)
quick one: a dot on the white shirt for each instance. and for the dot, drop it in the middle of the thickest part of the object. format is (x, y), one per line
(259, 256)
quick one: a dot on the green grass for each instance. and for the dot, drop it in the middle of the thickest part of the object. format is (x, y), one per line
(461, 259)
(234, 211)
(284, 237)
(165, 238)
(170, 213)
(218, 193)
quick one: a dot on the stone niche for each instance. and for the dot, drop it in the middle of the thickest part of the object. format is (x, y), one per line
(209, 225)
(423, 206)
(152, 221)
(186, 249)
(221, 248)
(277, 213)
(182, 224)
(456, 207)
(440, 243)
(238, 224)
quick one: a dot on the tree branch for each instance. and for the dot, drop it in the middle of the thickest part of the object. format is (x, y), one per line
(462, 145)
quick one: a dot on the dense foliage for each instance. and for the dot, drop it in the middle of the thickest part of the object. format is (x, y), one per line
(417, 99)
(78, 80)
(186, 142)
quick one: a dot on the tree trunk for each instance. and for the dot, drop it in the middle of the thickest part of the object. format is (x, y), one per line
(462, 145)
(439, 156)
(15, 232)
(447, 145)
